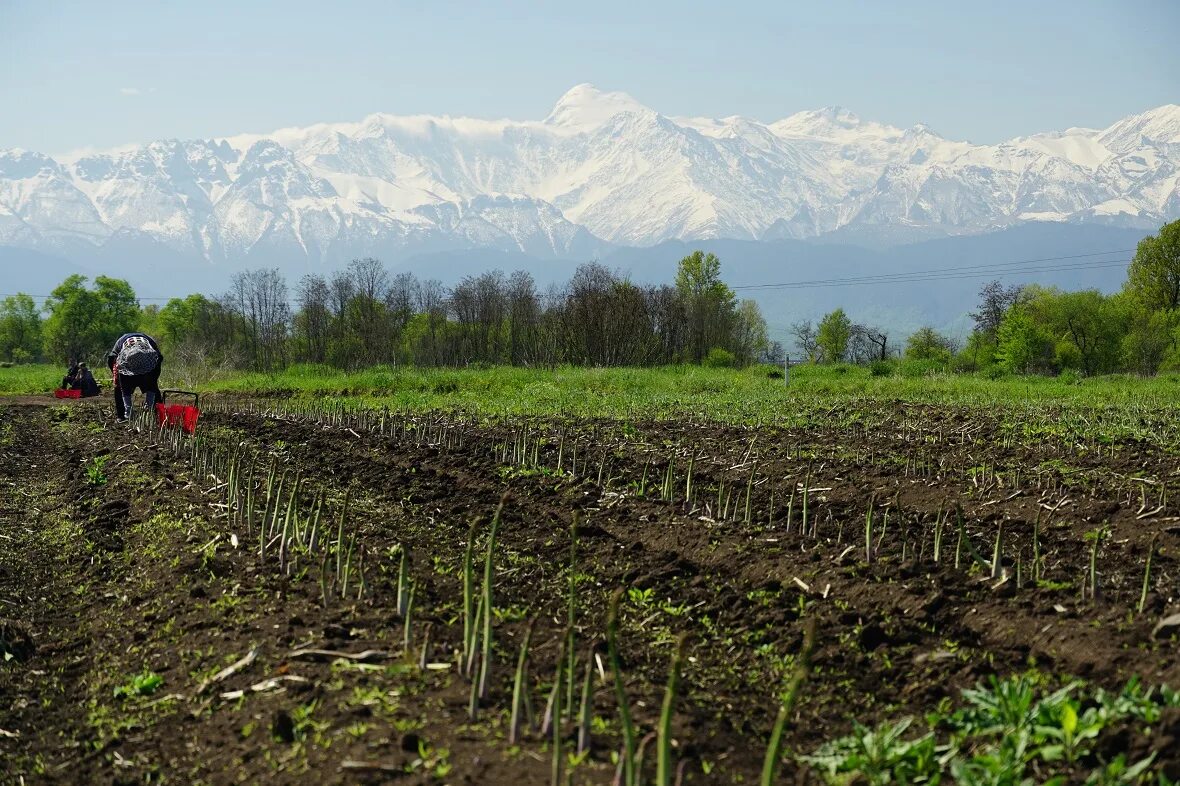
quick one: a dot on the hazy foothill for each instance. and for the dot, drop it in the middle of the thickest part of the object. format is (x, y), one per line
(616, 447)
(365, 315)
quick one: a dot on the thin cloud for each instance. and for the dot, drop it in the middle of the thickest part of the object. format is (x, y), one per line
(130, 91)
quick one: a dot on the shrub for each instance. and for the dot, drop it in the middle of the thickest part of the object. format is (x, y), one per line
(881, 368)
(929, 344)
(994, 372)
(965, 362)
(912, 369)
(1068, 357)
(978, 354)
(770, 370)
(719, 358)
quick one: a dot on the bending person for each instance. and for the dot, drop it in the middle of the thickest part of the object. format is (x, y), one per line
(135, 362)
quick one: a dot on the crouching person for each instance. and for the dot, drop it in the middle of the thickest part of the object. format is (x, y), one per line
(85, 382)
(135, 362)
(67, 382)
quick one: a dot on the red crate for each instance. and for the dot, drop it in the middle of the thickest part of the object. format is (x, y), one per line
(173, 415)
(190, 419)
(178, 415)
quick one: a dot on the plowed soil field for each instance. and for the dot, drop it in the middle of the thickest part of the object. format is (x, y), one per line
(154, 631)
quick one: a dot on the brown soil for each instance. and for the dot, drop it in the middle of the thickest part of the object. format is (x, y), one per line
(102, 580)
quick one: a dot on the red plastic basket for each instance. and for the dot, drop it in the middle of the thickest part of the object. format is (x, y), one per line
(190, 419)
(60, 393)
(182, 415)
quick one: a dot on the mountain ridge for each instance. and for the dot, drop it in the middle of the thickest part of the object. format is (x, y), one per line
(599, 172)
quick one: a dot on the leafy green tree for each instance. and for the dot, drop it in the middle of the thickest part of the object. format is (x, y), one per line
(1171, 361)
(72, 327)
(149, 321)
(83, 322)
(20, 328)
(994, 301)
(1095, 324)
(709, 303)
(1144, 350)
(750, 340)
(833, 335)
(1149, 341)
(1086, 327)
(1153, 277)
(183, 320)
(1023, 346)
(978, 354)
(928, 344)
(119, 312)
(176, 319)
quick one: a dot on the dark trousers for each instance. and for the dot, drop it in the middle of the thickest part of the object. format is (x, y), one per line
(126, 384)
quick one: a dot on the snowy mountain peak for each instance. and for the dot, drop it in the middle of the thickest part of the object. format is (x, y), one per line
(18, 164)
(837, 115)
(602, 168)
(921, 129)
(833, 123)
(584, 108)
(1155, 126)
(827, 117)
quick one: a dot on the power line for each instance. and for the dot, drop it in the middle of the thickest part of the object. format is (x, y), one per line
(990, 270)
(137, 297)
(917, 278)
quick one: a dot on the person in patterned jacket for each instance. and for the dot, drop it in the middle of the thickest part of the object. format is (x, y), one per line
(135, 362)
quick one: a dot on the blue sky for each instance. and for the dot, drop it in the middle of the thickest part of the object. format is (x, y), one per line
(91, 74)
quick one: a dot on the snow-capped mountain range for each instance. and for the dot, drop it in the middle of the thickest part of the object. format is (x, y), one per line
(600, 170)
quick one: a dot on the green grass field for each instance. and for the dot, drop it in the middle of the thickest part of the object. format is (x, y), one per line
(30, 380)
(675, 391)
(724, 394)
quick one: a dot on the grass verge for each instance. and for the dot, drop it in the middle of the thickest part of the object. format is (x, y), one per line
(677, 390)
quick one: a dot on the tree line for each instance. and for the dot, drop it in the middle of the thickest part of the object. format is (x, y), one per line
(365, 315)
(1034, 329)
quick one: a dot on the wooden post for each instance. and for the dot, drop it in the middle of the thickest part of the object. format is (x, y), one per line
(786, 369)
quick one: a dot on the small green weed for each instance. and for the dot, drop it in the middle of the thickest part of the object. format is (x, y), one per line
(143, 684)
(1005, 730)
(95, 471)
